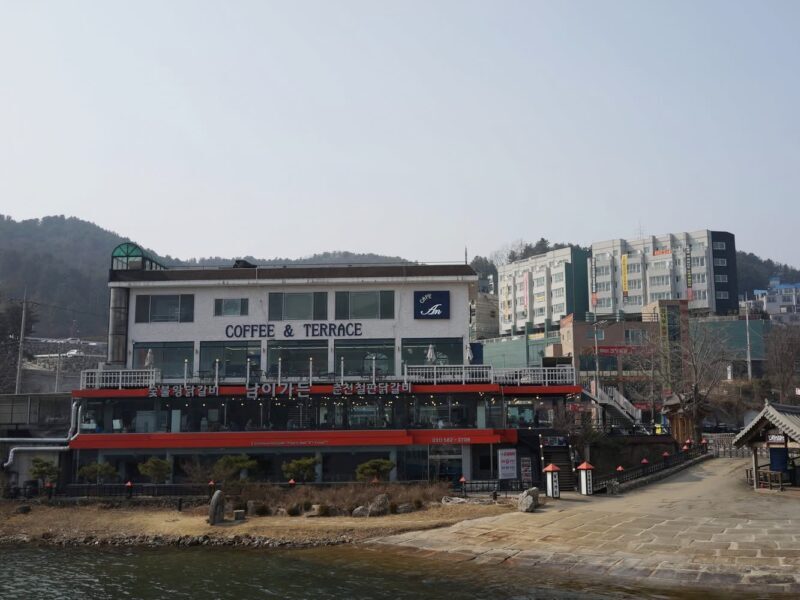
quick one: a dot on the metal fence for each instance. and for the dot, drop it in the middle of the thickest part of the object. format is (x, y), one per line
(122, 490)
(721, 446)
(601, 482)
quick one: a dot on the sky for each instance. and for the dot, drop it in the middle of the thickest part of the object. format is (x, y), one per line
(417, 129)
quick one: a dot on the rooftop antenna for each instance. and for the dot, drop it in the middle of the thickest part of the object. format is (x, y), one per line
(640, 231)
(466, 262)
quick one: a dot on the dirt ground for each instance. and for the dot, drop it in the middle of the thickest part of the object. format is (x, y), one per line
(77, 522)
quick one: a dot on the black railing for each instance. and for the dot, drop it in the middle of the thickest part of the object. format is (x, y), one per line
(601, 482)
(122, 490)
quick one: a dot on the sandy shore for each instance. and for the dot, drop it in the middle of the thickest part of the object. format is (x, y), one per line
(152, 526)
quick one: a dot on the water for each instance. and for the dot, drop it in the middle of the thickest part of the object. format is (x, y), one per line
(332, 573)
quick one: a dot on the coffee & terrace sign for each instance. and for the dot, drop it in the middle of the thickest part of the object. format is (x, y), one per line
(291, 330)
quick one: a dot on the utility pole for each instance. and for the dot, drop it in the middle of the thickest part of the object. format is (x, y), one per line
(747, 331)
(58, 367)
(18, 384)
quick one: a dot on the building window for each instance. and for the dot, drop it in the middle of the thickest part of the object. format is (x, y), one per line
(590, 333)
(634, 267)
(232, 358)
(720, 262)
(603, 286)
(539, 312)
(298, 306)
(660, 280)
(661, 265)
(700, 295)
(365, 305)
(721, 295)
(297, 357)
(602, 271)
(787, 299)
(633, 300)
(698, 261)
(698, 277)
(659, 296)
(635, 337)
(603, 303)
(169, 357)
(231, 307)
(163, 308)
(444, 351)
(558, 277)
(558, 293)
(721, 278)
(634, 284)
(718, 245)
(538, 282)
(358, 356)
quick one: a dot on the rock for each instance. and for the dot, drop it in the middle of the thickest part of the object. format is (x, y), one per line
(405, 508)
(612, 487)
(361, 511)
(281, 512)
(528, 500)
(23, 510)
(238, 515)
(379, 506)
(216, 509)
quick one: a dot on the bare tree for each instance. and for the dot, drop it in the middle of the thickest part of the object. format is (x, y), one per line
(688, 369)
(783, 359)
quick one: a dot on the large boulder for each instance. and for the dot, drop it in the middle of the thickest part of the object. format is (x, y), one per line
(361, 511)
(404, 508)
(216, 509)
(528, 500)
(379, 506)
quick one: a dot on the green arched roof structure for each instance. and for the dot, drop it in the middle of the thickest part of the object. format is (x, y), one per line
(130, 257)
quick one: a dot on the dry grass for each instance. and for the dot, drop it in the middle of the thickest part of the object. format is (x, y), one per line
(344, 497)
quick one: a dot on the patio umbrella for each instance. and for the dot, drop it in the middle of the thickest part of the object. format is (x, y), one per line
(430, 356)
(469, 354)
(148, 359)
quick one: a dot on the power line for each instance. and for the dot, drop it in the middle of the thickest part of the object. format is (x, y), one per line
(64, 308)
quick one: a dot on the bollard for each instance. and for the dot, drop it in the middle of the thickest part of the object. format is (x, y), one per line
(645, 462)
(463, 482)
(129, 489)
(211, 489)
(292, 482)
(551, 475)
(49, 487)
(704, 445)
(180, 504)
(585, 474)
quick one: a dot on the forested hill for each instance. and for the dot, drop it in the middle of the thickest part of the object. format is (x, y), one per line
(64, 262)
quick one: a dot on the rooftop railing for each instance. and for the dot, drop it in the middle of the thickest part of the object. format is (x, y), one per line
(418, 374)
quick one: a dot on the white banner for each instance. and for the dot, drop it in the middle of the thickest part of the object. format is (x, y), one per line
(507, 463)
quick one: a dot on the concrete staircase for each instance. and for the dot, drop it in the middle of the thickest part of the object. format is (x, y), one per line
(559, 456)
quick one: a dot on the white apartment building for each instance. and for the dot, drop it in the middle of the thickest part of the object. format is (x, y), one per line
(699, 266)
(541, 288)
(781, 301)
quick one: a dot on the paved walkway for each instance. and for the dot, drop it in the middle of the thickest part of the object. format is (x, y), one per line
(702, 527)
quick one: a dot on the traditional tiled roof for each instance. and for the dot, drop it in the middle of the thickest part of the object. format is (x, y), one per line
(784, 417)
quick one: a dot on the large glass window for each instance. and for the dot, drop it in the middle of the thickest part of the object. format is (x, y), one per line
(231, 307)
(295, 357)
(365, 305)
(298, 306)
(426, 351)
(169, 357)
(232, 358)
(358, 356)
(164, 308)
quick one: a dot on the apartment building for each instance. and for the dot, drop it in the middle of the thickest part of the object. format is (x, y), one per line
(698, 266)
(781, 301)
(542, 289)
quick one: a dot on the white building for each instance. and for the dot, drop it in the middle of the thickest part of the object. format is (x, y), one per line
(781, 301)
(296, 318)
(542, 288)
(626, 275)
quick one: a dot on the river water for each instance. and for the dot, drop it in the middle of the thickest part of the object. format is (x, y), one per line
(332, 573)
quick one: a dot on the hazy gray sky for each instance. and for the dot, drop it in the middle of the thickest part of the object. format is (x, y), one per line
(408, 128)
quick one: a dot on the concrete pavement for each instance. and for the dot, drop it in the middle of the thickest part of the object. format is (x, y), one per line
(703, 527)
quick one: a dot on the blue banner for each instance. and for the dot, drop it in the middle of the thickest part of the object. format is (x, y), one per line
(432, 305)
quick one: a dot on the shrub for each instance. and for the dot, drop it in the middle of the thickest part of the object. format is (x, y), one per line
(375, 468)
(196, 471)
(45, 470)
(417, 503)
(303, 469)
(230, 467)
(155, 469)
(97, 472)
(294, 510)
(262, 510)
(393, 507)
(324, 510)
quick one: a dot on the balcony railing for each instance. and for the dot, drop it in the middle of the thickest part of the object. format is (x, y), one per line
(119, 378)
(419, 374)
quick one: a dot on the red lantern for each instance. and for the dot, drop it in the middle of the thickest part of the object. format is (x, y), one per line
(645, 462)
(665, 455)
(620, 469)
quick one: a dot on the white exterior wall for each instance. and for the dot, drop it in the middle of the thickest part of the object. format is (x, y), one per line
(669, 262)
(208, 328)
